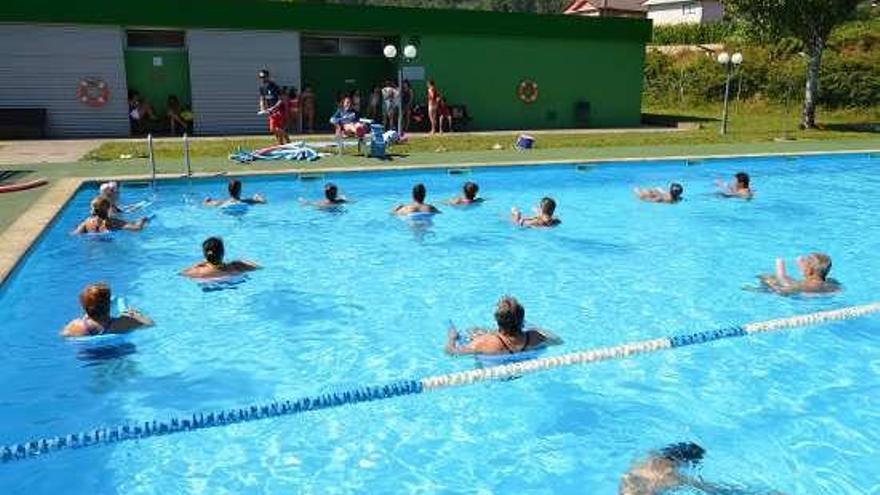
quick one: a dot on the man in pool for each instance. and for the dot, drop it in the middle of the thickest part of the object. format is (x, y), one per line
(658, 195)
(100, 221)
(214, 266)
(95, 301)
(739, 189)
(509, 338)
(234, 189)
(331, 199)
(418, 205)
(815, 268)
(469, 197)
(543, 215)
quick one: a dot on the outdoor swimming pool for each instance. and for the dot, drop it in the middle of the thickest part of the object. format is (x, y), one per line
(359, 297)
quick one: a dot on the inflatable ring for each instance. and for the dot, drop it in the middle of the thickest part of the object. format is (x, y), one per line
(93, 92)
(527, 91)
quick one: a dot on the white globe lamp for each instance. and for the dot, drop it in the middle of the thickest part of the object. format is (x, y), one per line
(390, 51)
(736, 58)
(410, 51)
(723, 58)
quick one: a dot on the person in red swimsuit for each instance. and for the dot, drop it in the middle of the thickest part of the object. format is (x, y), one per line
(272, 104)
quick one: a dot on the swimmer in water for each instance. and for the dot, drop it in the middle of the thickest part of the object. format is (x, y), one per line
(235, 197)
(543, 215)
(509, 338)
(661, 473)
(469, 196)
(658, 195)
(739, 189)
(331, 199)
(214, 266)
(418, 205)
(100, 221)
(815, 268)
(95, 301)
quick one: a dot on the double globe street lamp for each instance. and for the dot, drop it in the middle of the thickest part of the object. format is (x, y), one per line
(730, 63)
(402, 57)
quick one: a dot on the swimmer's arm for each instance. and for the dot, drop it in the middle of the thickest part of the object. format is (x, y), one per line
(396, 209)
(213, 202)
(133, 226)
(781, 275)
(256, 199)
(192, 271)
(244, 265)
(80, 229)
(452, 347)
(131, 320)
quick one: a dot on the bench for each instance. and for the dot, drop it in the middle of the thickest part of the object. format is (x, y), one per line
(22, 123)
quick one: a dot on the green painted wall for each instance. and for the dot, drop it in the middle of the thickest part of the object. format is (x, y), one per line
(329, 75)
(156, 83)
(484, 72)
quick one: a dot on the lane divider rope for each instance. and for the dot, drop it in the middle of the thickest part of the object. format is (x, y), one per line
(201, 421)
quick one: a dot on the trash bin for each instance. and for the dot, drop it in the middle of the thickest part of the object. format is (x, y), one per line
(582, 113)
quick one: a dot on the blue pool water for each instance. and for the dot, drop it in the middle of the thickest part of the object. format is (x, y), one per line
(358, 297)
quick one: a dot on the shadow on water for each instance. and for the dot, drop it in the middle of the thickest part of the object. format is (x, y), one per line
(97, 355)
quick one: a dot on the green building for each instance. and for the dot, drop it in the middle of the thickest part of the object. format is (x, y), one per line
(79, 59)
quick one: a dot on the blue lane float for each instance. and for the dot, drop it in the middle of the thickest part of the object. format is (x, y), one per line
(201, 421)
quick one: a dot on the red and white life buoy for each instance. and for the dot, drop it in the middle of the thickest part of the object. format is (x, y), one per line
(93, 92)
(527, 91)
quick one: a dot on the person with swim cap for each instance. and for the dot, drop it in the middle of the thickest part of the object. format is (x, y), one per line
(543, 215)
(418, 205)
(815, 268)
(331, 199)
(509, 338)
(469, 197)
(214, 266)
(658, 195)
(661, 473)
(739, 189)
(96, 301)
(234, 188)
(100, 221)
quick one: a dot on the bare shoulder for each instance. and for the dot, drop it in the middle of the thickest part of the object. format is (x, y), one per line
(74, 328)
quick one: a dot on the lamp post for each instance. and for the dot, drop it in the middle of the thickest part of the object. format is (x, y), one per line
(408, 53)
(730, 63)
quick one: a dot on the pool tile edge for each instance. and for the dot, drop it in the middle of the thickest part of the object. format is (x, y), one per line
(18, 238)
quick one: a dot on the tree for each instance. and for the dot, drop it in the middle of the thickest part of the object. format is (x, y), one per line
(810, 21)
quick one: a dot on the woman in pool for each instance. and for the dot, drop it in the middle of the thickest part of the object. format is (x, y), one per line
(331, 199)
(100, 221)
(95, 301)
(510, 338)
(739, 189)
(418, 205)
(234, 188)
(658, 195)
(543, 218)
(815, 268)
(469, 197)
(214, 266)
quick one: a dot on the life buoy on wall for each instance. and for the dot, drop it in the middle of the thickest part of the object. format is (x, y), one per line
(93, 92)
(527, 91)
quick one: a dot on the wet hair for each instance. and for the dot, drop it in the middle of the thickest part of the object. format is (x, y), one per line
(470, 190)
(419, 192)
(263, 74)
(821, 264)
(101, 207)
(330, 191)
(548, 206)
(234, 188)
(742, 179)
(683, 453)
(510, 315)
(213, 250)
(676, 190)
(95, 300)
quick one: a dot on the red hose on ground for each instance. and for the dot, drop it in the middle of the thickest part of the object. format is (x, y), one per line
(22, 186)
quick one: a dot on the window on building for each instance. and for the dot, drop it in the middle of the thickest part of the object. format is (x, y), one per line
(342, 46)
(688, 8)
(152, 38)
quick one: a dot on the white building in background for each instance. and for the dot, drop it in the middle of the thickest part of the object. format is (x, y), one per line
(664, 12)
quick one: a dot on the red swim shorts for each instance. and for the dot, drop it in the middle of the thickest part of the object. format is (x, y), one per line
(277, 121)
